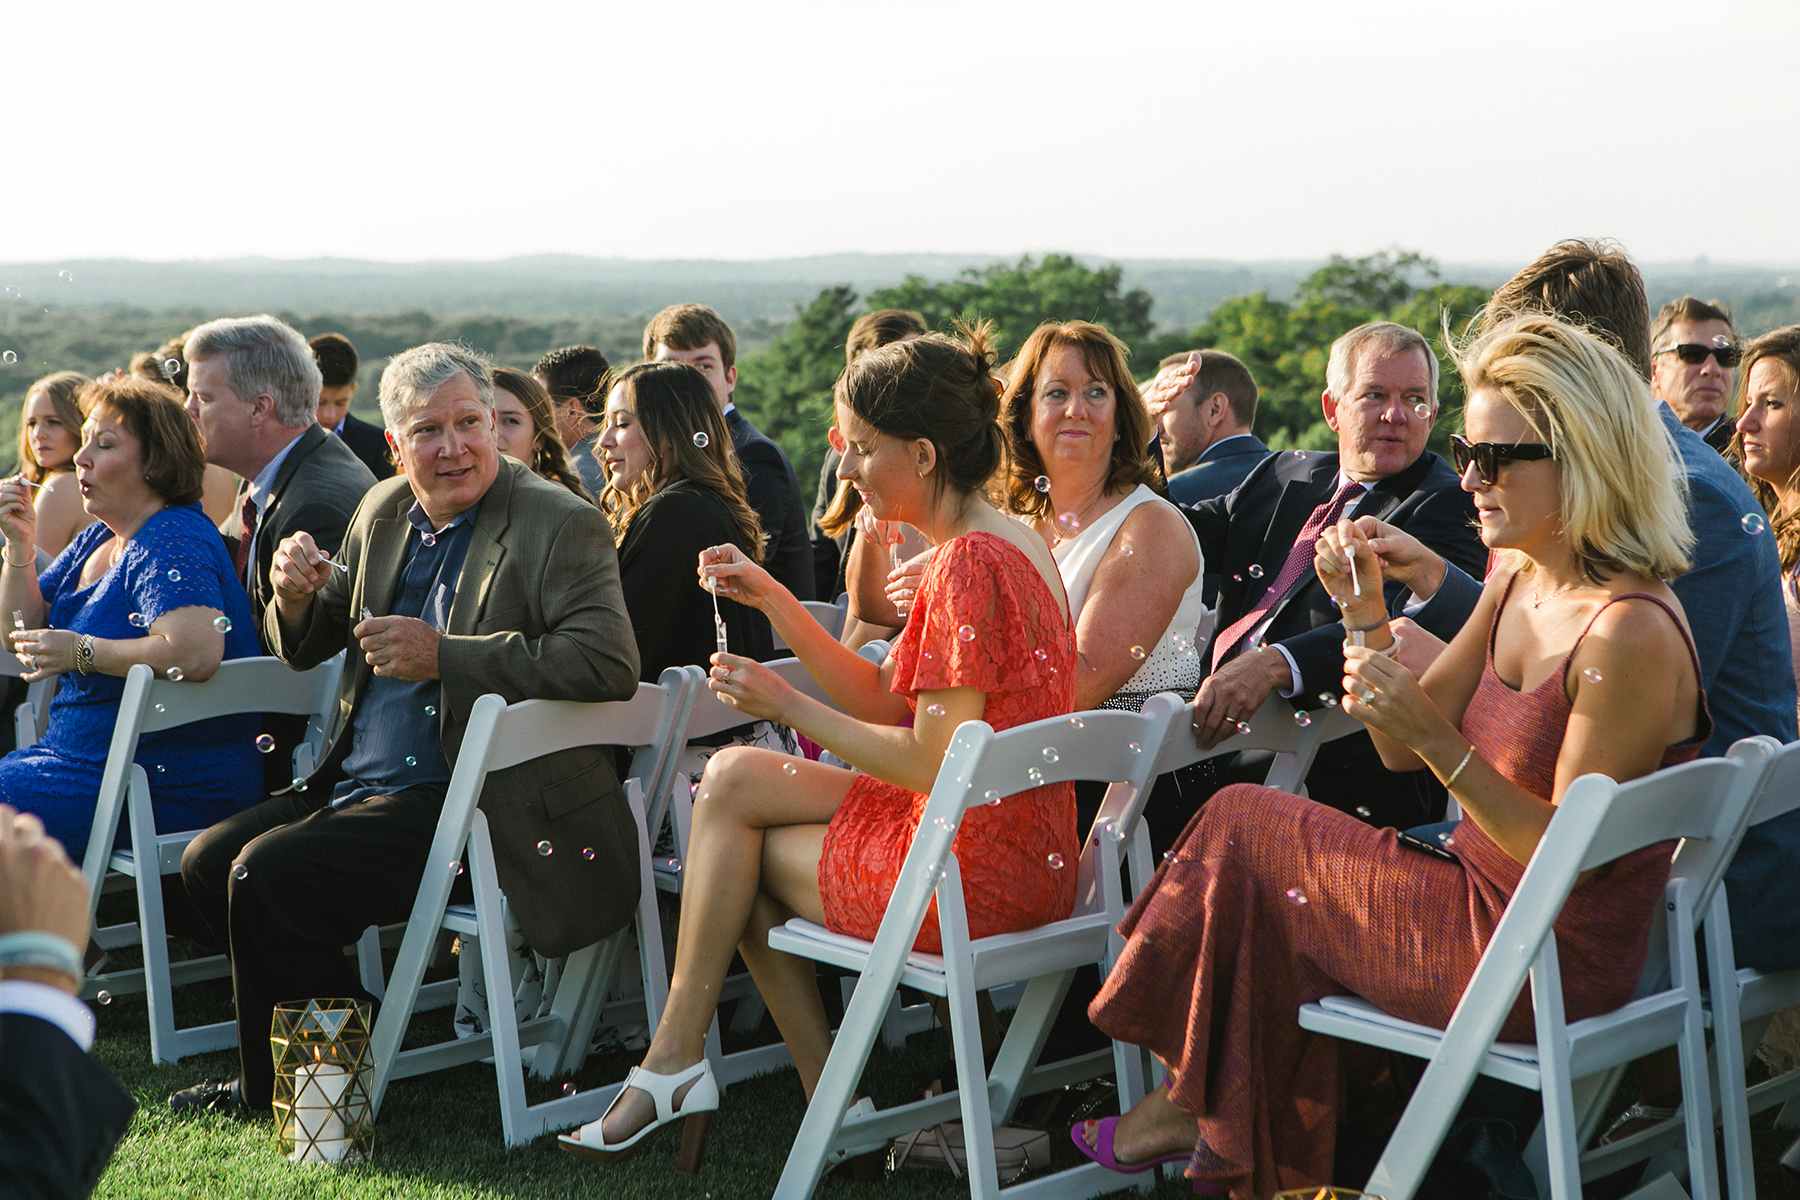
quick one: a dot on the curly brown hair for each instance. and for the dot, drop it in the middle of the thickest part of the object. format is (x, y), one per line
(1781, 346)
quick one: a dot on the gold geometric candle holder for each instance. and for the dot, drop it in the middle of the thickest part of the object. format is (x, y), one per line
(322, 1076)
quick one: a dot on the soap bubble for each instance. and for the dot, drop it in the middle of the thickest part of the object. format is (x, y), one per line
(1422, 411)
(222, 624)
(175, 674)
(13, 292)
(1327, 699)
(1134, 747)
(1126, 551)
(1180, 642)
(1243, 727)
(138, 621)
(1041, 654)
(1256, 571)
(1296, 895)
(992, 798)
(1068, 525)
(299, 784)
(103, 998)
(455, 868)
(1591, 675)
(9, 357)
(568, 1089)
(172, 367)
(66, 276)
(264, 743)
(1055, 861)
(587, 852)
(159, 708)
(1035, 776)
(1077, 723)
(1051, 756)
(789, 769)
(966, 633)
(240, 872)
(701, 440)
(431, 710)
(174, 576)
(430, 539)
(1302, 718)
(545, 849)
(934, 710)
(1237, 579)
(1138, 652)
(1753, 523)
(1363, 811)
(1299, 453)
(1041, 483)
(411, 761)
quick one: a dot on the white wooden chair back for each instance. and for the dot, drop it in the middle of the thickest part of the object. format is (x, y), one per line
(1597, 822)
(500, 736)
(149, 705)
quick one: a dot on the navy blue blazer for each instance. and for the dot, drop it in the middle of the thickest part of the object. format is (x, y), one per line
(61, 1113)
(1257, 523)
(775, 495)
(1219, 471)
(369, 444)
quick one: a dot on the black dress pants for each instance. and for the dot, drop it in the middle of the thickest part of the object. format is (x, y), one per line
(312, 879)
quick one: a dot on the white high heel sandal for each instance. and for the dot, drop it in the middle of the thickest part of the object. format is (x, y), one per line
(698, 1108)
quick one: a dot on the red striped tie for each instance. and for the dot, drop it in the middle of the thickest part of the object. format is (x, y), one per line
(1299, 562)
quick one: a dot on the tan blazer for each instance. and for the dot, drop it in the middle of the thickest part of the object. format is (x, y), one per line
(538, 614)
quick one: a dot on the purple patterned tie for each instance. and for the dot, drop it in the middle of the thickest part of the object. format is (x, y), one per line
(1299, 561)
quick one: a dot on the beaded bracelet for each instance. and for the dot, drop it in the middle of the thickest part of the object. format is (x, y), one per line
(36, 948)
(1451, 782)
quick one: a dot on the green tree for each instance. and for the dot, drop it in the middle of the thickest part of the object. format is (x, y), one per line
(785, 390)
(1286, 343)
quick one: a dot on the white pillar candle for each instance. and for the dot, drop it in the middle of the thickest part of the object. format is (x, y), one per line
(319, 1133)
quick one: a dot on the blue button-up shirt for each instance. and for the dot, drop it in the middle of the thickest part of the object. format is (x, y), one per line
(394, 739)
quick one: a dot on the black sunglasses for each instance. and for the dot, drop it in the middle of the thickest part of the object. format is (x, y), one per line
(1693, 354)
(1489, 457)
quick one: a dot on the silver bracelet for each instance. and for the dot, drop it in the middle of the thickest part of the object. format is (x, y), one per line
(36, 948)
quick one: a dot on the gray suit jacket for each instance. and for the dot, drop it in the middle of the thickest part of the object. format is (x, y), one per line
(320, 483)
(538, 614)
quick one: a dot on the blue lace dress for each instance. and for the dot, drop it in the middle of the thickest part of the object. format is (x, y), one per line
(199, 773)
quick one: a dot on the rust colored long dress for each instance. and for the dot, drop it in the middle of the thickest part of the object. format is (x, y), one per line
(1270, 901)
(985, 619)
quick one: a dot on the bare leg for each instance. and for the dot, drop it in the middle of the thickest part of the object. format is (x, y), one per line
(749, 793)
(1155, 1126)
(788, 984)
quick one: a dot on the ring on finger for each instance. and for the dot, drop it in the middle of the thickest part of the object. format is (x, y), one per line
(1367, 696)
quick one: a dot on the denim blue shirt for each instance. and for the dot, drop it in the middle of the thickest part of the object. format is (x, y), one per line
(395, 741)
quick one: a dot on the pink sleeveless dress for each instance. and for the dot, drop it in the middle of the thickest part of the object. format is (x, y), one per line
(1270, 901)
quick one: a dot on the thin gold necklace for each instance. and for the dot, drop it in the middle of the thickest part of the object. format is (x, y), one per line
(1537, 599)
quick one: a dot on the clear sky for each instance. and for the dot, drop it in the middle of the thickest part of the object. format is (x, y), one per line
(1257, 129)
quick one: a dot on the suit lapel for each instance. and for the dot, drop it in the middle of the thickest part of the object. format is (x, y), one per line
(485, 552)
(1298, 500)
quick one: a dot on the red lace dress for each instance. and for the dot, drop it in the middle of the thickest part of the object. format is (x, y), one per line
(985, 619)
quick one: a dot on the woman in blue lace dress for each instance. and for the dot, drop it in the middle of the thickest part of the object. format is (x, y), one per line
(148, 582)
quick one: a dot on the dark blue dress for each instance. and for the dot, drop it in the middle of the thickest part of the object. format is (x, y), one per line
(199, 773)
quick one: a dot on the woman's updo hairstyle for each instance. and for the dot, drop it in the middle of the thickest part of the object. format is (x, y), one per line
(937, 387)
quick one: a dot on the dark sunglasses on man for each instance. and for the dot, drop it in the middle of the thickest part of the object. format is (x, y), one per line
(1693, 354)
(1489, 457)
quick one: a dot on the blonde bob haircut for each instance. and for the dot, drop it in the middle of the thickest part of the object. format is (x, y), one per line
(1624, 495)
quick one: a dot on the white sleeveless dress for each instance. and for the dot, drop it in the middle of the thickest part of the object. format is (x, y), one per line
(1173, 663)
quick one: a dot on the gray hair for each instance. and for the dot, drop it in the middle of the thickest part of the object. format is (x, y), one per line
(263, 354)
(1387, 340)
(413, 375)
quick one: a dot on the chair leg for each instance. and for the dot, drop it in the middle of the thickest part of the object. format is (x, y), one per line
(1025, 1039)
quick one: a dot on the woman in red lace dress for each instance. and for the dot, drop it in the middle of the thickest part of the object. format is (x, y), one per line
(987, 638)
(1576, 659)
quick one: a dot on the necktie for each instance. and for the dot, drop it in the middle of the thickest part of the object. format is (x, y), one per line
(241, 560)
(1299, 562)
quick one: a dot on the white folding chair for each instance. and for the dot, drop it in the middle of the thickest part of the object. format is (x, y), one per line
(1743, 1000)
(150, 705)
(830, 616)
(501, 736)
(1706, 803)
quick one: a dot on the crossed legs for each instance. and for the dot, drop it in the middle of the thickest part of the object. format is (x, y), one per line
(752, 864)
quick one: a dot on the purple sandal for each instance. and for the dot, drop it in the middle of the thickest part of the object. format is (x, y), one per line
(1102, 1152)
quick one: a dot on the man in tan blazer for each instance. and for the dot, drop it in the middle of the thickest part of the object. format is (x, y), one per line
(466, 575)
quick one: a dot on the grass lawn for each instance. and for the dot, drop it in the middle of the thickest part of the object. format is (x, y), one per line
(439, 1135)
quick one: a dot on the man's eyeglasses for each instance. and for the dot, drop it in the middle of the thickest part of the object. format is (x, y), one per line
(1489, 457)
(1693, 353)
